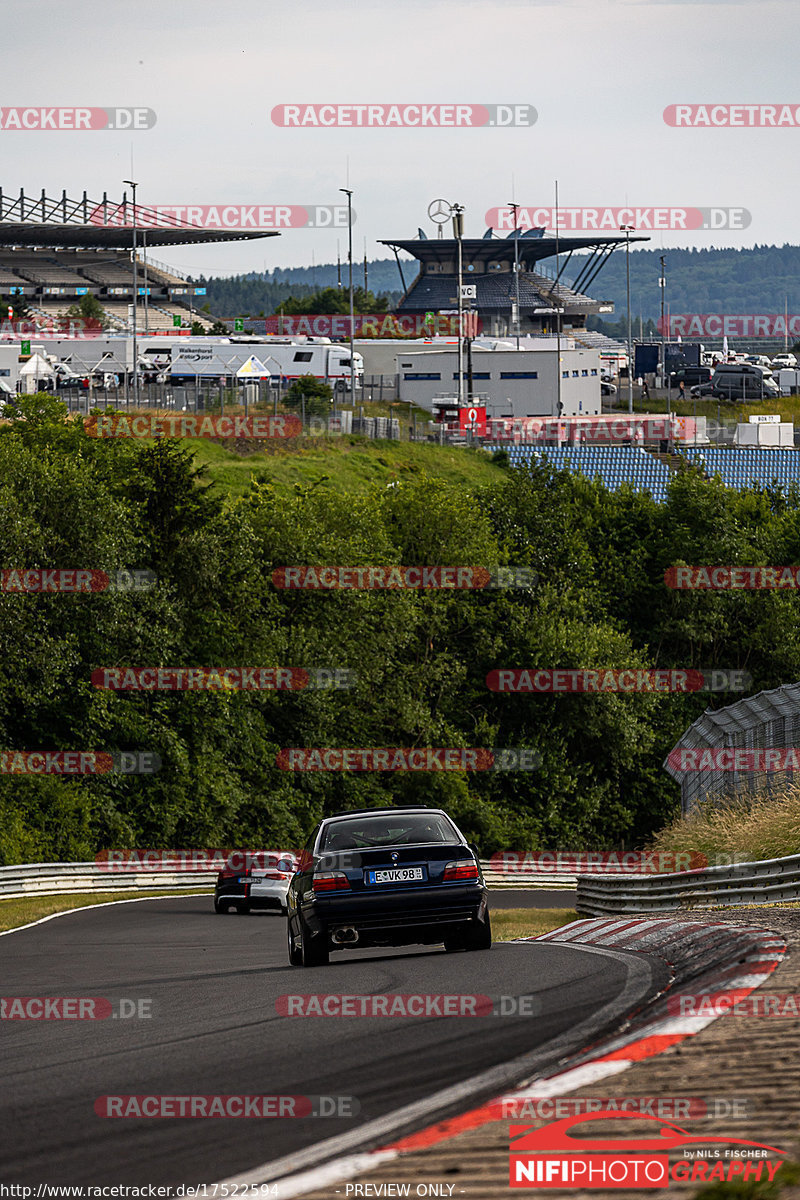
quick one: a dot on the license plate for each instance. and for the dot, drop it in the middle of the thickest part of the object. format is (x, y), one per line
(251, 879)
(397, 875)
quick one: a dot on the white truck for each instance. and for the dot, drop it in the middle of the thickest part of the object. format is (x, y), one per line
(204, 357)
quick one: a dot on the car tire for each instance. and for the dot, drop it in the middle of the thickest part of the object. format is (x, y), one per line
(242, 908)
(313, 950)
(220, 906)
(479, 936)
(295, 955)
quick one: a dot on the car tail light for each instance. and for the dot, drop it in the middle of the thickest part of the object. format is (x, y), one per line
(330, 881)
(276, 875)
(228, 874)
(465, 869)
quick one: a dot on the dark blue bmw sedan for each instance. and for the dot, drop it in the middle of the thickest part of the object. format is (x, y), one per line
(386, 877)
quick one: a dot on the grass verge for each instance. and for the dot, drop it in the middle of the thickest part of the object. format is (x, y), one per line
(21, 910)
(510, 923)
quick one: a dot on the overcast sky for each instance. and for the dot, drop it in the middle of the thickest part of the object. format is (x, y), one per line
(599, 74)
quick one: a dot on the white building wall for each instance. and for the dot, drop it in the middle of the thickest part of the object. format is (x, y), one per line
(516, 383)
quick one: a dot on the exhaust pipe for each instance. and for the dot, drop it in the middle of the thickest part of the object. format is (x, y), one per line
(346, 935)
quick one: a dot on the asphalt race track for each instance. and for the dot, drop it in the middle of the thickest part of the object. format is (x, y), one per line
(213, 982)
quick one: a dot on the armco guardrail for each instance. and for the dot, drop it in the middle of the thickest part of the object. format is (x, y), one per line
(767, 881)
(526, 879)
(53, 879)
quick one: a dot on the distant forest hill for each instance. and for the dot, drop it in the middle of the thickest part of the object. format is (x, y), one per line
(260, 293)
(758, 280)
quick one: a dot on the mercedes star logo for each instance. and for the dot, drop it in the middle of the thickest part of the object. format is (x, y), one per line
(439, 211)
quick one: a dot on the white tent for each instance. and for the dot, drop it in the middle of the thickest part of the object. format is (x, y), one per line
(36, 368)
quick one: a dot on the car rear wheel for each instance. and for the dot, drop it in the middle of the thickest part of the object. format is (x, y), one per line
(314, 950)
(480, 935)
(220, 906)
(477, 937)
(295, 955)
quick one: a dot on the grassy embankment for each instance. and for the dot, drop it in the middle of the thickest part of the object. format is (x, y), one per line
(348, 463)
(758, 827)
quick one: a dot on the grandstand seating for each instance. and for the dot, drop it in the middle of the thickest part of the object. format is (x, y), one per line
(748, 466)
(72, 272)
(558, 291)
(614, 465)
(40, 267)
(159, 317)
(739, 467)
(597, 341)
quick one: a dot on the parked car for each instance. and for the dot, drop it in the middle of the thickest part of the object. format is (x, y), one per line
(689, 376)
(759, 360)
(783, 360)
(65, 376)
(738, 381)
(254, 879)
(104, 380)
(607, 389)
(743, 381)
(386, 877)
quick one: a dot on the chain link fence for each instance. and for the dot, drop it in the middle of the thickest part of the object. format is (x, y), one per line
(768, 720)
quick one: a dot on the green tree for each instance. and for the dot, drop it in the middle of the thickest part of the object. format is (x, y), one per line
(19, 308)
(318, 396)
(89, 310)
(336, 300)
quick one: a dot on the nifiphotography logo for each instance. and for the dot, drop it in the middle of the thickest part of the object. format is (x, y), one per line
(550, 1157)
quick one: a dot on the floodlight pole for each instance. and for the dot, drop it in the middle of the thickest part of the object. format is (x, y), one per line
(133, 186)
(349, 194)
(458, 230)
(627, 231)
(146, 289)
(559, 405)
(514, 208)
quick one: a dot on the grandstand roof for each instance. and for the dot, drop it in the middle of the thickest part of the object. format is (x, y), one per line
(99, 237)
(531, 250)
(84, 224)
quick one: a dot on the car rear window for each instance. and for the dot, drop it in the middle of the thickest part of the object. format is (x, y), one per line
(385, 829)
(261, 860)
